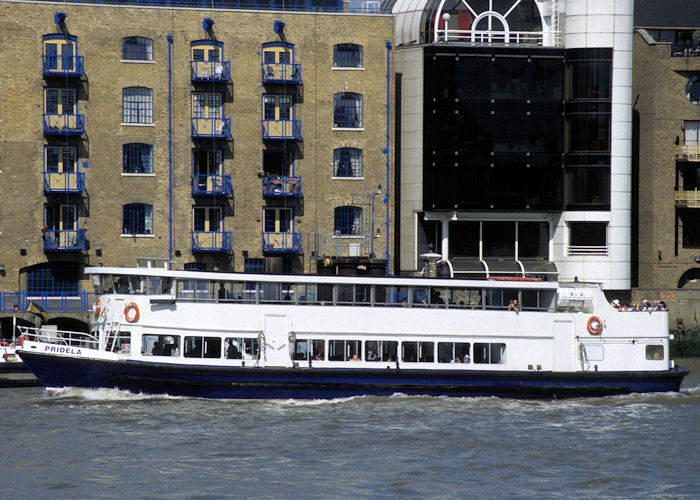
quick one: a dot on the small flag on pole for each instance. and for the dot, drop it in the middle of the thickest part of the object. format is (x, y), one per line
(37, 311)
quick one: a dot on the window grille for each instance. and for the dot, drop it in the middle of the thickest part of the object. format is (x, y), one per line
(137, 158)
(285, 104)
(52, 101)
(53, 279)
(138, 219)
(285, 57)
(254, 265)
(269, 108)
(136, 48)
(195, 266)
(206, 105)
(347, 110)
(66, 156)
(269, 56)
(347, 55)
(347, 162)
(348, 220)
(137, 105)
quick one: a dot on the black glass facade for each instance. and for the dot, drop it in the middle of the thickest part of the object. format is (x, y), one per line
(494, 133)
(516, 128)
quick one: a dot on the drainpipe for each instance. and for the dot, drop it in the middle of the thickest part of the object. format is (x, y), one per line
(170, 147)
(386, 153)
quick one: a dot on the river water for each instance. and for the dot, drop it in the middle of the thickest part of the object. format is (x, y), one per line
(108, 444)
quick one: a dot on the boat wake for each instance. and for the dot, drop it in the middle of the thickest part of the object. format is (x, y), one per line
(103, 394)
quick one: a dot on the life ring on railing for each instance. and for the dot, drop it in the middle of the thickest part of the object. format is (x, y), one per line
(594, 325)
(131, 312)
(98, 308)
(20, 340)
(4, 343)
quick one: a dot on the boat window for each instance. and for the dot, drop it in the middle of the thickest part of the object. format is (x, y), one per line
(420, 296)
(202, 347)
(118, 342)
(453, 352)
(381, 350)
(655, 352)
(306, 293)
(409, 352)
(241, 348)
(269, 292)
(493, 353)
(301, 350)
(137, 285)
(325, 294)
(305, 349)
(193, 289)
(345, 294)
(363, 294)
(344, 350)
(426, 352)
(160, 345)
(107, 284)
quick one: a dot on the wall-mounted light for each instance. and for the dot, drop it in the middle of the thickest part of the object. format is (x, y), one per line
(2, 267)
(278, 27)
(60, 18)
(379, 189)
(379, 233)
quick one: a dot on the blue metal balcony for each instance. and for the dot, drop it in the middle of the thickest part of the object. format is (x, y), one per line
(64, 240)
(60, 124)
(211, 128)
(210, 71)
(81, 301)
(281, 130)
(58, 65)
(282, 186)
(211, 241)
(212, 185)
(64, 182)
(281, 73)
(281, 242)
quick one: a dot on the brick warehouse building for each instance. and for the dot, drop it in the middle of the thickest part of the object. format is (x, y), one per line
(223, 139)
(667, 164)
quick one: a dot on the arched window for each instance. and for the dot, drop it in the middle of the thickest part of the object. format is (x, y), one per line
(137, 158)
(137, 219)
(347, 55)
(347, 110)
(137, 48)
(348, 220)
(347, 162)
(137, 105)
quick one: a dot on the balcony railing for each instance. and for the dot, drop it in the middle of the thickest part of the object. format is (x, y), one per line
(281, 73)
(282, 185)
(689, 152)
(64, 240)
(216, 128)
(59, 124)
(484, 37)
(688, 199)
(82, 301)
(63, 65)
(285, 130)
(588, 250)
(211, 241)
(210, 71)
(281, 242)
(64, 182)
(212, 185)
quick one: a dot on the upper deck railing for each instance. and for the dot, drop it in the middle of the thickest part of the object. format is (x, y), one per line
(481, 37)
(64, 303)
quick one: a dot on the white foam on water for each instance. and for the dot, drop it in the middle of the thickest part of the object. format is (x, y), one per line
(102, 394)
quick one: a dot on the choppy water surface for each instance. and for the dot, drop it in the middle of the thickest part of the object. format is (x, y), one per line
(109, 444)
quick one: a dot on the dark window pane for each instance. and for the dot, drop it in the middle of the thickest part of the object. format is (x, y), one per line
(464, 239)
(499, 239)
(588, 233)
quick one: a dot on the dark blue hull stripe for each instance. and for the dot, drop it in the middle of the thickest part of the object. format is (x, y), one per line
(323, 383)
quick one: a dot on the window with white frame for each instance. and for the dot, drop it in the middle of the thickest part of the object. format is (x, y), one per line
(137, 219)
(347, 162)
(137, 158)
(347, 55)
(137, 48)
(137, 105)
(347, 110)
(347, 221)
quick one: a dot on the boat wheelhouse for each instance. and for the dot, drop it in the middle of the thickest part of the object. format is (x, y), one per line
(156, 330)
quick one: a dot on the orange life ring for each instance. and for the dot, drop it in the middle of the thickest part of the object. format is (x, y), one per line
(20, 340)
(4, 343)
(131, 312)
(98, 308)
(594, 325)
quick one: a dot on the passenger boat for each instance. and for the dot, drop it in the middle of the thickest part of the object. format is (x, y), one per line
(216, 335)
